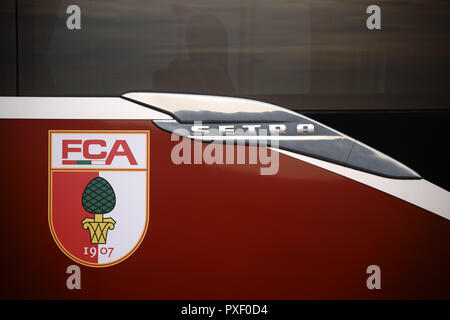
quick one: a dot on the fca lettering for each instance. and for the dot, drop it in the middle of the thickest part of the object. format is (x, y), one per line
(120, 148)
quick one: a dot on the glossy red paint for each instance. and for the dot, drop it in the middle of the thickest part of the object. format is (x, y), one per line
(223, 231)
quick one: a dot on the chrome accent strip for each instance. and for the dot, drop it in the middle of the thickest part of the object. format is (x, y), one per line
(281, 138)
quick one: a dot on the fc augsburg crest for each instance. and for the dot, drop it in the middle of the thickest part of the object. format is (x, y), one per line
(98, 193)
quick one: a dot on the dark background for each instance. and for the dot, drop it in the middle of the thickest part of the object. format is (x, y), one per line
(387, 88)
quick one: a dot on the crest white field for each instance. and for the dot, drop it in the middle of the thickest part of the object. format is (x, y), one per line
(130, 213)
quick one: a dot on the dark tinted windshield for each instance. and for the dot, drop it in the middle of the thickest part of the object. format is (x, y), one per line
(299, 54)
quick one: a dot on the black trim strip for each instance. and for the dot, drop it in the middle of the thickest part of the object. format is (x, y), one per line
(17, 46)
